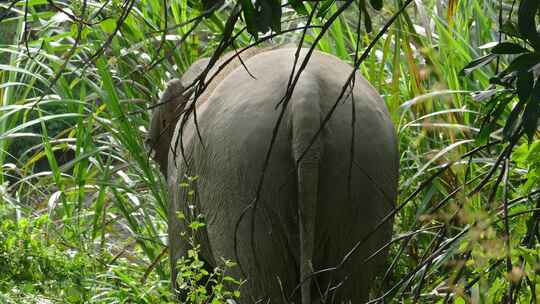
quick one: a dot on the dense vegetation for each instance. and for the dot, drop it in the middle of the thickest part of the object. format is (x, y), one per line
(83, 209)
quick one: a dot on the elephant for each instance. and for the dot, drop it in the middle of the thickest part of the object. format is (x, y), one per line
(289, 214)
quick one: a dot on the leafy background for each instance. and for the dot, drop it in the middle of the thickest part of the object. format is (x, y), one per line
(82, 212)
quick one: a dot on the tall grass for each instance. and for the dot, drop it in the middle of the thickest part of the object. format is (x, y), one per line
(74, 113)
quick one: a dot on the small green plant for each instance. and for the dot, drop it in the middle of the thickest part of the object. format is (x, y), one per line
(196, 282)
(32, 262)
(38, 266)
(201, 286)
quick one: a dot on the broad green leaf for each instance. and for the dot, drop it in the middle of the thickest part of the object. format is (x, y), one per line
(108, 25)
(269, 15)
(532, 113)
(508, 48)
(377, 4)
(526, 21)
(520, 154)
(510, 28)
(512, 121)
(298, 7)
(491, 121)
(459, 300)
(323, 9)
(523, 63)
(250, 17)
(524, 85)
(367, 20)
(477, 63)
(209, 4)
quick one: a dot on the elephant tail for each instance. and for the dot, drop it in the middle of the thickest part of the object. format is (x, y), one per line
(307, 151)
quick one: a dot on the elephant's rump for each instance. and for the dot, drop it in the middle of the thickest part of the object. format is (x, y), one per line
(236, 127)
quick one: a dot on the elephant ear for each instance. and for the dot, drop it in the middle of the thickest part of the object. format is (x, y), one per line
(163, 122)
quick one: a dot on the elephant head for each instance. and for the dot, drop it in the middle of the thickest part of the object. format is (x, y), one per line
(162, 124)
(166, 113)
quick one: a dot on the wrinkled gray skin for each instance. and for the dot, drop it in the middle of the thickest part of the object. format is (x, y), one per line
(308, 217)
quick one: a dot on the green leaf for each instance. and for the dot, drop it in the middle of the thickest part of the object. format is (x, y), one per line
(459, 300)
(524, 85)
(298, 7)
(530, 255)
(477, 63)
(532, 113)
(377, 4)
(324, 8)
(367, 19)
(108, 25)
(533, 156)
(490, 123)
(195, 225)
(523, 63)
(510, 28)
(512, 121)
(519, 155)
(526, 21)
(508, 48)
(275, 14)
(265, 15)
(250, 17)
(180, 215)
(211, 4)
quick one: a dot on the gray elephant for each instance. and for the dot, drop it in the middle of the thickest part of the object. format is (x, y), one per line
(315, 202)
